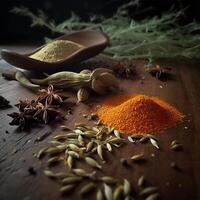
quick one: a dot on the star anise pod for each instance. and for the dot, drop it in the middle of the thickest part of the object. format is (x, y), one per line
(125, 69)
(21, 119)
(3, 102)
(50, 96)
(45, 113)
(26, 105)
(160, 72)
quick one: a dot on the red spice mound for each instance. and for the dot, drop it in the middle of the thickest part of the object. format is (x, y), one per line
(138, 114)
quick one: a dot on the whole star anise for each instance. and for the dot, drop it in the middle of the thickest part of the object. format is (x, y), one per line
(50, 96)
(26, 105)
(20, 119)
(45, 113)
(125, 69)
(160, 72)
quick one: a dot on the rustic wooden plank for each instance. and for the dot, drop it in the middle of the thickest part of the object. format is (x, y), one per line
(17, 148)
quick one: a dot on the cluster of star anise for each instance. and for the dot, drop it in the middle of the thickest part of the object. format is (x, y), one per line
(125, 69)
(41, 110)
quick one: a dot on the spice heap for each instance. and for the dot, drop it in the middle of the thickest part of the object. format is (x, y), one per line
(138, 114)
(56, 51)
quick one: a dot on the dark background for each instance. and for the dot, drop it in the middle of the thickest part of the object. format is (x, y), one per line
(16, 28)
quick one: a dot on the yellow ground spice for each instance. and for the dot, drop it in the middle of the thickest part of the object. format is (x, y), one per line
(56, 50)
(139, 114)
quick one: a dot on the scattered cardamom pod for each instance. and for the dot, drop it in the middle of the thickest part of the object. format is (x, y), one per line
(90, 161)
(118, 193)
(87, 188)
(148, 190)
(67, 188)
(108, 192)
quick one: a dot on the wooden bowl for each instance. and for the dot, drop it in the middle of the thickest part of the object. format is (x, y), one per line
(94, 42)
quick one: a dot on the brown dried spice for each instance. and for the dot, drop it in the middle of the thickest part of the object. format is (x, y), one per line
(51, 97)
(160, 72)
(125, 69)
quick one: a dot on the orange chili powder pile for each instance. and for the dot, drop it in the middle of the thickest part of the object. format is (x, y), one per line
(138, 114)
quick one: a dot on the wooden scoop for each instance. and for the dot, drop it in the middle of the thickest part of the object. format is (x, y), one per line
(93, 43)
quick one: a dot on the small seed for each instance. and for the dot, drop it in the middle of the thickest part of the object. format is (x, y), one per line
(89, 146)
(151, 136)
(49, 174)
(65, 128)
(52, 161)
(73, 154)
(53, 150)
(109, 147)
(130, 139)
(60, 137)
(95, 129)
(100, 151)
(148, 190)
(67, 188)
(70, 180)
(99, 195)
(80, 124)
(78, 131)
(99, 122)
(54, 143)
(175, 142)
(176, 147)
(74, 147)
(94, 149)
(87, 188)
(108, 192)
(110, 130)
(80, 140)
(117, 133)
(118, 192)
(154, 143)
(61, 175)
(108, 179)
(115, 140)
(126, 187)
(138, 158)
(41, 153)
(90, 161)
(70, 161)
(80, 172)
(141, 181)
(61, 147)
(154, 196)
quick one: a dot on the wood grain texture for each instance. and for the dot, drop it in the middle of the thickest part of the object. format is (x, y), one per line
(17, 148)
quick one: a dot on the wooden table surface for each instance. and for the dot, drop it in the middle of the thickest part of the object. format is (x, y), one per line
(17, 148)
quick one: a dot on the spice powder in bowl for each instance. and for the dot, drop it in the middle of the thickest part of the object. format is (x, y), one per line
(138, 114)
(56, 51)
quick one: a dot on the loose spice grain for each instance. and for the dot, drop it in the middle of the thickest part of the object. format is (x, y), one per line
(56, 50)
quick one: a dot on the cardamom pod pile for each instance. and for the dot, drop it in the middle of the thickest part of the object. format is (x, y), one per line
(100, 80)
